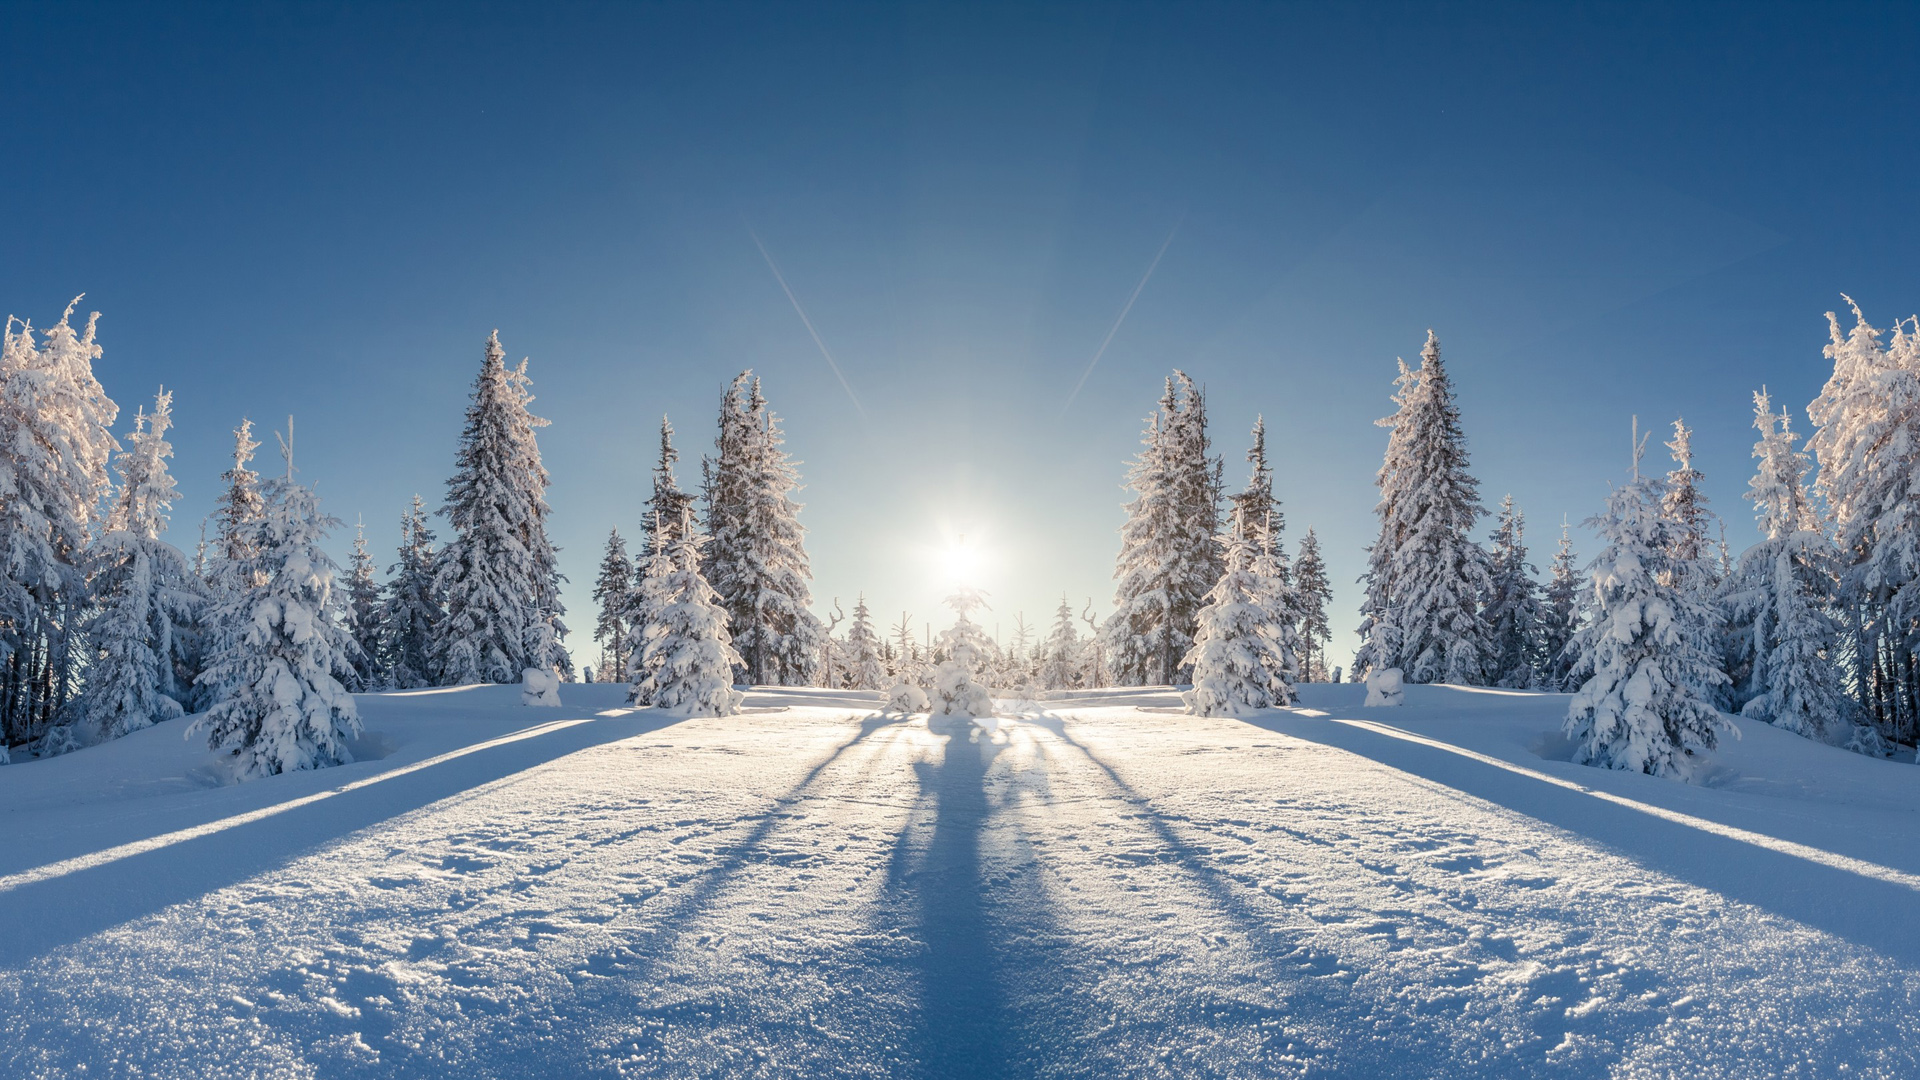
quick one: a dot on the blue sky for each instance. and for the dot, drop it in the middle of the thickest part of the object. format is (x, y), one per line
(323, 209)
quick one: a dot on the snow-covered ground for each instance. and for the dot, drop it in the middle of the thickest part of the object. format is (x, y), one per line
(1106, 888)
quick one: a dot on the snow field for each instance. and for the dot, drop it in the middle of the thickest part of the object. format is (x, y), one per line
(1102, 888)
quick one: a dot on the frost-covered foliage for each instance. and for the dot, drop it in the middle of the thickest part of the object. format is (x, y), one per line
(148, 600)
(1560, 618)
(280, 704)
(1312, 594)
(613, 591)
(56, 439)
(905, 697)
(1642, 708)
(964, 649)
(1785, 639)
(688, 655)
(1063, 658)
(668, 504)
(364, 616)
(1168, 558)
(1684, 506)
(1866, 441)
(237, 513)
(1245, 652)
(652, 592)
(410, 610)
(758, 560)
(1514, 617)
(1425, 576)
(498, 575)
(866, 670)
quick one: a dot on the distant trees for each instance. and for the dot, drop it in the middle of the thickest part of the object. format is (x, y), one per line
(1513, 615)
(1312, 594)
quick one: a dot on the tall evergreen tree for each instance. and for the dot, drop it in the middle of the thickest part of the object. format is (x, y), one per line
(1425, 576)
(1866, 441)
(1168, 558)
(757, 561)
(364, 612)
(1779, 602)
(1313, 594)
(410, 610)
(1685, 505)
(613, 591)
(1514, 617)
(1560, 618)
(1644, 707)
(146, 595)
(280, 705)
(56, 427)
(653, 591)
(964, 649)
(667, 504)
(499, 574)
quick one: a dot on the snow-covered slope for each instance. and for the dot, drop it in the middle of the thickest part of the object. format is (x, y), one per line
(1104, 888)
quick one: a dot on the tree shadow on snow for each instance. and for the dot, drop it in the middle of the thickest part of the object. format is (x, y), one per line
(1847, 905)
(85, 901)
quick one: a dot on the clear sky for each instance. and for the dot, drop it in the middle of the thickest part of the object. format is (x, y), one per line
(323, 209)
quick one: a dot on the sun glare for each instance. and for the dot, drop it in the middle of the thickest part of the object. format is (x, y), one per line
(961, 562)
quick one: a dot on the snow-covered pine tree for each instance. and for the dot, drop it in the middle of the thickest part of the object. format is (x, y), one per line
(1685, 506)
(1866, 441)
(410, 609)
(962, 650)
(757, 561)
(1244, 652)
(865, 671)
(613, 591)
(652, 592)
(1062, 659)
(499, 575)
(688, 656)
(1779, 601)
(1168, 558)
(1313, 593)
(906, 652)
(364, 612)
(280, 704)
(236, 518)
(668, 504)
(1560, 618)
(1425, 576)
(1644, 707)
(1513, 613)
(56, 424)
(147, 599)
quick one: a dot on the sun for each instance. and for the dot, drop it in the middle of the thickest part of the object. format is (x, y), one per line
(961, 562)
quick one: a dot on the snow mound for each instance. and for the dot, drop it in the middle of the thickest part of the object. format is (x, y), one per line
(539, 687)
(1385, 687)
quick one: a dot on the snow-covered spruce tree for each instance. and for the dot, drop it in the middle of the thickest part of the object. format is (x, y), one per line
(1244, 654)
(613, 591)
(667, 504)
(280, 704)
(1778, 602)
(688, 656)
(1685, 506)
(652, 592)
(1644, 707)
(410, 609)
(364, 612)
(865, 670)
(236, 517)
(1168, 558)
(56, 428)
(963, 650)
(1866, 442)
(1425, 576)
(1062, 659)
(1513, 613)
(499, 574)
(147, 598)
(1312, 593)
(757, 560)
(1560, 618)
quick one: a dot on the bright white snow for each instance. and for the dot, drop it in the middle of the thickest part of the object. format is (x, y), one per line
(1103, 887)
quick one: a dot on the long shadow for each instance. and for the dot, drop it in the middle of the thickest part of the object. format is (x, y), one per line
(962, 1001)
(1327, 1007)
(47, 914)
(1847, 905)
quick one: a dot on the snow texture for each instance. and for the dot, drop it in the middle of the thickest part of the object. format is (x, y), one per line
(1385, 687)
(540, 687)
(1103, 890)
